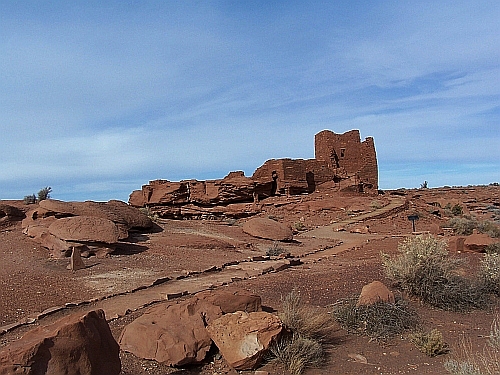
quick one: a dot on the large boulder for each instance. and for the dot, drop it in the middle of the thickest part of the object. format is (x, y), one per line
(243, 338)
(72, 345)
(477, 242)
(268, 229)
(232, 299)
(173, 334)
(85, 229)
(375, 292)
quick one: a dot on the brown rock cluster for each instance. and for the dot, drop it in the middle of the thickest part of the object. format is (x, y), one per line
(182, 333)
(268, 229)
(92, 227)
(72, 345)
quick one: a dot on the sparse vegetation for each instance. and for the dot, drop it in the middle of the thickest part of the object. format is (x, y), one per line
(44, 193)
(423, 269)
(489, 273)
(309, 331)
(467, 361)
(275, 250)
(375, 205)
(379, 321)
(466, 225)
(424, 185)
(299, 226)
(431, 343)
(30, 199)
(149, 213)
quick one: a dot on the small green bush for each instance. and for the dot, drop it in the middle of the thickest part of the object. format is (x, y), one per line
(489, 227)
(424, 270)
(493, 248)
(44, 193)
(379, 321)
(457, 210)
(465, 226)
(30, 199)
(431, 343)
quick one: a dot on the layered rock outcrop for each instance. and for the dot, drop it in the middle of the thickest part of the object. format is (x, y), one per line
(91, 227)
(340, 159)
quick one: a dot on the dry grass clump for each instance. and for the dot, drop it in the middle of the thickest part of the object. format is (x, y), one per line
(423, 269)
(431, 343)
(379, 321)
(468, 362)
(297, 353)
(310, 330)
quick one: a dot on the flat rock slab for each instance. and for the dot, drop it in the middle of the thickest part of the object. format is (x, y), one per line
(268, 229)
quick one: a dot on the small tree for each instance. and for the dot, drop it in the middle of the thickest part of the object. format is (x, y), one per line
(44, 193)
(424, 185)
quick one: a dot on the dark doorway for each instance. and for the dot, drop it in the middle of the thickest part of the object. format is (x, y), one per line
(274, 185)
(311, 184)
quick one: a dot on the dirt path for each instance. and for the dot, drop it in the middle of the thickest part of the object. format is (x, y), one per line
(169, 287)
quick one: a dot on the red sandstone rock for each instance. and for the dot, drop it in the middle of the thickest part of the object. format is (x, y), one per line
(72, 345)
(232, 299)
(375, 292)
(477, 242)
(85, 229)
(243, 338)
(267, 229)
(173, 334)
(10, 214)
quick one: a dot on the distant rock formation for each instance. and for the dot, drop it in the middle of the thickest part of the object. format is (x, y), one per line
(342, 161)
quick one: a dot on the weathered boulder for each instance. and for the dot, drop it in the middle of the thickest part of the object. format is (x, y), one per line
(173, 334)
(477, 242)
(10, 214)
(267, 229)
(72, 345)
(373, 293)
(232, 299)
(243, 338)
(85, 229)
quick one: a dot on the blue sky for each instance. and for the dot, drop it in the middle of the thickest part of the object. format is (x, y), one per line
(99, 97)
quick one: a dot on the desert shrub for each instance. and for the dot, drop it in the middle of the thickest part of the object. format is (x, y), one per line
(305, 320)
(489, 273)
(275, 250)
(423, 269)
(297, 353)
(309, 330)
(467, 361)
(153, 216)
(44, 193)
(431, 343)
(465, 226)
(462, 225)
(299, 225)
(424, 185)
(379, 321)
(457, 210)
(489, 227)
(30, 199)
(493, 248)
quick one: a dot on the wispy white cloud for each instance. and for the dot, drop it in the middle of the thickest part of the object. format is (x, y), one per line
(95, 97)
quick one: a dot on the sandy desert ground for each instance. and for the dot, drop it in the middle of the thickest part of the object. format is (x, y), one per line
(336, 264)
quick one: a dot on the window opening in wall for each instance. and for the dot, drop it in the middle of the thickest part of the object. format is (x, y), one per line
(342, 152)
